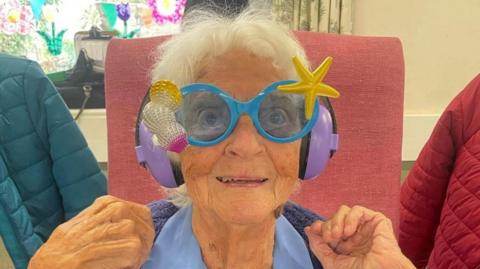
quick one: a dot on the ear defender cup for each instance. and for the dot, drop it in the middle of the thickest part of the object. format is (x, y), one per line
(320, 144)
(316, 149)
(165, 170)
(164, 167)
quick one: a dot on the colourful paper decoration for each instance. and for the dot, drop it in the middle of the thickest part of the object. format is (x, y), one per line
(167, 10)
(123, 12)
(53, 41)
(15, 18)
(146, 16)
(50, 13)
(109, 11)
(37, 6)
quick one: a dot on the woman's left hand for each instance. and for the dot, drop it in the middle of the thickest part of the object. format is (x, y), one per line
(356, 238)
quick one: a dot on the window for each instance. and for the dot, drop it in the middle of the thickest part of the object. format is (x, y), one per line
(19, 36)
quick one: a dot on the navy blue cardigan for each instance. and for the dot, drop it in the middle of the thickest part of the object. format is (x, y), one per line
(298, 216)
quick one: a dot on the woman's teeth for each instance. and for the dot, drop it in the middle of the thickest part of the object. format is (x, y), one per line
(241, 180)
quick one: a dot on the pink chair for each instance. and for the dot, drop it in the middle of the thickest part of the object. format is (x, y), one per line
(368, 72)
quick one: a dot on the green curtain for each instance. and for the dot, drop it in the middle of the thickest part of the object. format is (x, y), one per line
(328, 16)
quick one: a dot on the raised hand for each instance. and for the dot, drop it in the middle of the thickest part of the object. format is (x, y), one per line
(356, 238)
(110, 234)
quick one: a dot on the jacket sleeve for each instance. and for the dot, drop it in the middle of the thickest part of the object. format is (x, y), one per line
(424, 190)
(75, 170)
(15, 222)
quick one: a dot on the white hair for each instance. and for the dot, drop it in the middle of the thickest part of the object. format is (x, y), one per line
(207, 34)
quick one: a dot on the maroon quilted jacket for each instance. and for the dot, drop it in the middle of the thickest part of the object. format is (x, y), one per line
(440, 215)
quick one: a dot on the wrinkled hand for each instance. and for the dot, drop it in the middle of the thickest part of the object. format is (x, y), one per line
(356, 238)
(110, 234)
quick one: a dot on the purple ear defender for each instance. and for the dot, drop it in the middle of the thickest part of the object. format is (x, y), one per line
(156, 158)
(322, 142)
(160, 137)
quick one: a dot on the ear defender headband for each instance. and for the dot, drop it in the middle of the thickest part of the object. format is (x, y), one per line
(198, 114)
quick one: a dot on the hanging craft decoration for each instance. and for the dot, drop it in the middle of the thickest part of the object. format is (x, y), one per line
(167, 10)
(109, 13)
(54, 41)
(37, 6)
(123, 13)
(146, 16)
(15, 18)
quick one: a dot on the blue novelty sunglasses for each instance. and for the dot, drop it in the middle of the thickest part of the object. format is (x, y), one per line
(237, 108)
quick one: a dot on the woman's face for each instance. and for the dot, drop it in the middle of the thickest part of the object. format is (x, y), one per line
(246, 177)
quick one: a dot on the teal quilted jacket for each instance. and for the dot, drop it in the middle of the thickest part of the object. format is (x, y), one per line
(47, 172)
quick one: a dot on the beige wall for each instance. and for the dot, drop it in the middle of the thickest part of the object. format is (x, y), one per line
(441, 41)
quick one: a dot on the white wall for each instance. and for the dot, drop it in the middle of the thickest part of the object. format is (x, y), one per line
(441, 41)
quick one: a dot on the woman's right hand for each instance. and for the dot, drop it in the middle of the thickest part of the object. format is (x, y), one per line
(356, 238)
(110, 234)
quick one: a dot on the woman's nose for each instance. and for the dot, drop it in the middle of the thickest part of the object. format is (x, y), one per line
(245, 142)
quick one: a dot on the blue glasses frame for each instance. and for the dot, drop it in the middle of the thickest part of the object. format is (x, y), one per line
(251, 107)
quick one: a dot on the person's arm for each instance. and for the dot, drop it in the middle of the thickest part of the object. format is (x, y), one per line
(75, 170)
(425, 189)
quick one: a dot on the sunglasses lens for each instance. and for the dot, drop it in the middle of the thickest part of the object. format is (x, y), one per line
(204, 115)
(282, 115)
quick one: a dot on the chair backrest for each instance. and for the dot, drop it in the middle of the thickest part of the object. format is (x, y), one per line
(369, 73)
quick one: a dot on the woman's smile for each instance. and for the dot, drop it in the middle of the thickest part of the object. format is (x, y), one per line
(242, 182)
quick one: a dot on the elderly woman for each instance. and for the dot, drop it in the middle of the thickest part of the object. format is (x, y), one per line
(245, 120)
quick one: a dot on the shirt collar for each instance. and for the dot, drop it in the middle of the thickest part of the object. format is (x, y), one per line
(177, 247)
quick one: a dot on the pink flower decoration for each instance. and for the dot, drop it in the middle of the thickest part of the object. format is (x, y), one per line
(15, 18)
(170, 13)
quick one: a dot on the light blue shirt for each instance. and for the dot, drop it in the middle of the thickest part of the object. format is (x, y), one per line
(177, 247)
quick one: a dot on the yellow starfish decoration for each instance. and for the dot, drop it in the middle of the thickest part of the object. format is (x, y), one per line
(310, 84)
